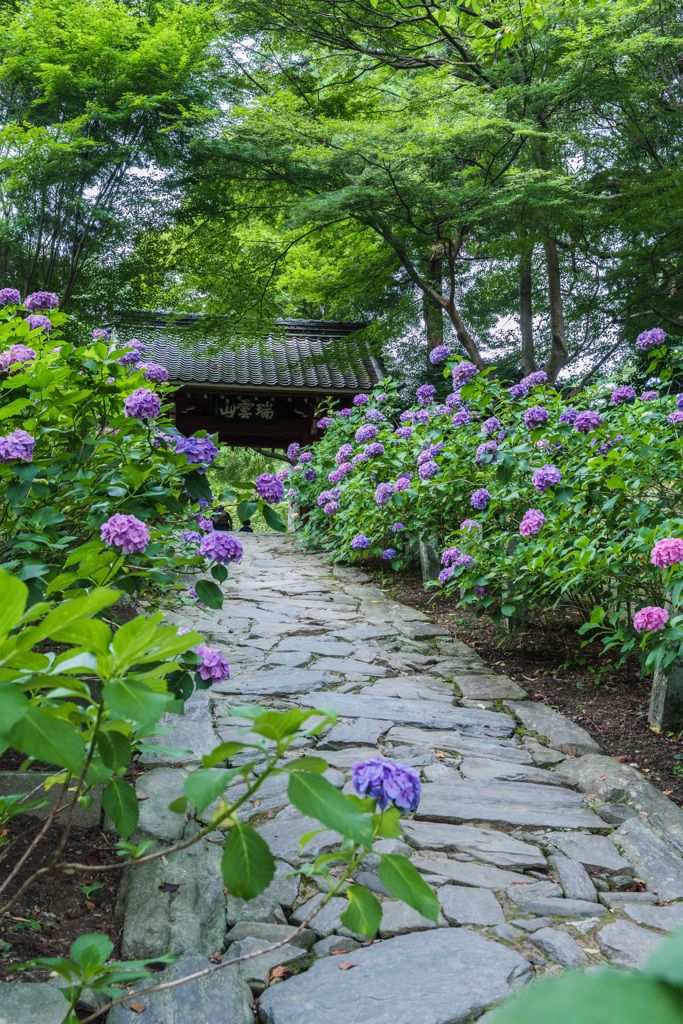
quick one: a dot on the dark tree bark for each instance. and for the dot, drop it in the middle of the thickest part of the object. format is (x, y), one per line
(432, 311)
(559, 355)
(526, 312)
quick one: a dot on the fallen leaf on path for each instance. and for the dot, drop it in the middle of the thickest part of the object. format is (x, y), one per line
(623, 832)
(216, 958)
(340, 952)
(281, 971)
(346, 965)
(137, 1007)
(89, 905)
(621, 757)
(142, 796)
(601, 778)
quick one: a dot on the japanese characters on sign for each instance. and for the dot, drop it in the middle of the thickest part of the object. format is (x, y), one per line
(245, 408)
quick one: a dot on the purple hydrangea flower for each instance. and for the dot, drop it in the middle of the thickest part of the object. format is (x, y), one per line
(221, 547)
(463, 372)
(40, 300)
(331, 507)
(323, 424)
(306, 457)
(679, 401)
(623, 394)
(192, 593)
(270, 488)
(536, 416)
(381, 397)
(291, 493)
(363, 456)
(143, 404)
(360, 542)
(546, 476)
(652, 618)
(204, 524)
(441, 410)
(16, 354)
(376, 448)
(388, 554)
(383, 492)
(425, 394)
(183, 630)
(192, 537)
(446, 574)
(454, 401)
(422, 416)
(470, 524)
(450, 555)
(131, 357)
(345, 412)
(346, 467)
(397, 527)
(214, 667)
(9, 297)
(460, 418)
(404, 433)
(37, 321)
(649, 396)
(334, 477)
(675, 417)
(17, 447)
(491, 425)
(488, 448)
(366, 432)
(344, 453)
(480, 498)
(587, 421)
(154, 372)
(607, 445)
(99, 334)
(427, 470)
(324, 497)
(375, 415)
(438, 354)
(197, 450)
(310, 474)
(518, 391)
(668, 551)
(293, 450)
(406, 416)
(532, 521)
(651, 338)
(282, 474)
(569, 415)
(125, 532)
(403, 482)
(535, 379)
(360, 400)
(388, 782)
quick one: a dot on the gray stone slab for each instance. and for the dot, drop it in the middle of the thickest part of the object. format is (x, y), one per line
(597, 853)
(486, 770)
(15, 783)
(438, 739)
(420, 630)
(357, 733)
(334, 944)
(489, 687)
(351, 667)
(521, 894)
(400, 919)
(627, 944)
(532, 924)
(560, 947)
(288, 659)
(554, 907)
(483, 876)
(282, 889)
(573, 877)
(317, 645)
(620, 783)
(31, 1002)
(188, 919)
(667, 919)
(465, 905)
(616, 900)
(559, 731)
(459, 973)
(365, 632)
(283, 834)
(505, 803)
(191, 731)
(327, 920)
(270, 933)
(659, 865)
(155, 791)
(275, 682)
(261, 909)
(484, 844)
(543, 756)
(483, 724)
(221, 996)
(412, 688)
(347, 756)
(255, 971)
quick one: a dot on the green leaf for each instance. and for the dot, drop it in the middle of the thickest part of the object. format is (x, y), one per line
(403, 880)
(364, 912)
(219, 573)
(14, 706)
(247, 865)
(198, 486)
(275, 725)
(666, 963)
(135, 701)
(307, 764)
(564, 494)
(390, 823)
(91, 950)
(121, 804)
(45, 736)
(246, 509)
(273, 519)
(14, 595)
(210, 593)
(223, 752)
(314, 795)
(114, 749)
(508, 610)
(205, 785)
(179, 805)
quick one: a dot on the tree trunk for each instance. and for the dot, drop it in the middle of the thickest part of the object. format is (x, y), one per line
(558, 342)
(431, 310)
(526, 312)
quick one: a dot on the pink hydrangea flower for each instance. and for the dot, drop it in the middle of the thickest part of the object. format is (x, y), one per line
(650, 619)
(143, 404)
(17, 446)
(214, 667)
(532, 522)
(125, 532)
(667, 552)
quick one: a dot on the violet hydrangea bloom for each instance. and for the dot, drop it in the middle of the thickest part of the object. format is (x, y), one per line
(306, 457)
(422, 416)
(569, 415)
(668, 551)
(441, 410)
(649, 396)
(388, 554)
(518, 391)
(535, 417)
(363, 456)
(450, 555)
(346, 467)
(453, 401)
(39, 322)
(192, 537)
(545, 477)
(197, 450)
(651, 618)
(40, 300)
(99, 334)
(535, 379)
(623, 394)
(143, 404)
(343, 454)
(282, 474)
(425, 394)
(9, 297)
(125, 532)
(491, 425)
(464, 372)
(331, 507)
(587, 421)
(360, 542)
(16, 354)
(214, 667)
(310, 474)
(323, 424)
(649, 339)
(427, 470)
(460, 418)
(345, 412)
(269, 488)
(204, 524)
(438, 354)
(334, 477)
(154, 372)
(446, 574)
(221, 547)
(360, 400)
(366, 432)
(679, 401)
(388, 782)
(17, 447)
(532, 522)
(383, 492)
(376, 448)
(470, 524)
(488, 448)
(375, 415)
(675, 417)
(403, 481)
(480, 498)
(403, 432)
(406, 416)
(131, 357)
(293, 450)
(397, 527)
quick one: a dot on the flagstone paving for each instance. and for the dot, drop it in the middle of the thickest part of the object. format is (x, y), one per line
(531, 839)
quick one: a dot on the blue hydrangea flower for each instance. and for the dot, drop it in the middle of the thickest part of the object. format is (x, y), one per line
(388, 782)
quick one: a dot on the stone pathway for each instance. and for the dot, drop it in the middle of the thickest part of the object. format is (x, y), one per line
(530, 837)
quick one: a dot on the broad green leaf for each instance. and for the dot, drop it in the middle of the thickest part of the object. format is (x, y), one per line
(364, 912)
(205, 785)
(14, 595)
(221, 753)
(179, 805)
(210, 593)
(68, 613)
(273, 519)
(246, 509)
(666, 963)
(403, 880)
(135, 701)
(307, 764)
(92, 634)
(198, 486)
(275, 725)
(219, 573)
(247, 865)
(390, 823)
(13, 704)
(91, 950)
(314, 795)
(114, 749)
(121, 804)
(47, 737)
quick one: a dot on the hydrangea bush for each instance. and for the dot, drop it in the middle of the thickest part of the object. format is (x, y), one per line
(577, 499)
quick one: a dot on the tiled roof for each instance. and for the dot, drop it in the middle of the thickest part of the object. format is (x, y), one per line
(314, 354)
